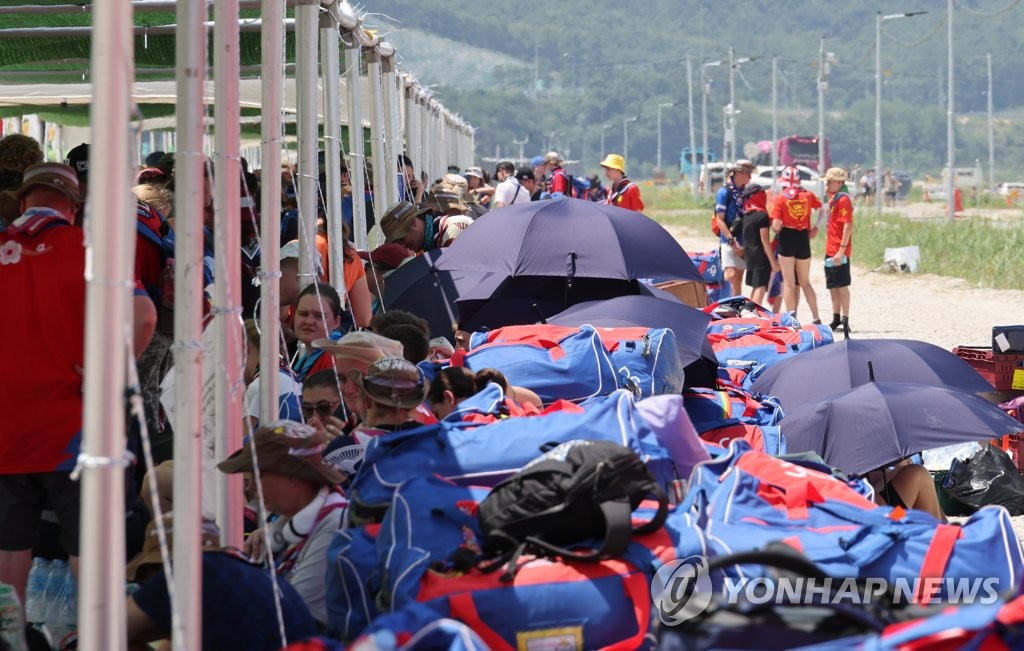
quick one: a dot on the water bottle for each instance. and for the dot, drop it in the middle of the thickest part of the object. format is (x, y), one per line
(54, 585)
(12, 619)
(35, 592)
(67, 617)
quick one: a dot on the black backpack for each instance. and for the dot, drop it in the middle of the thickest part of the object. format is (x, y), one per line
(578, 491)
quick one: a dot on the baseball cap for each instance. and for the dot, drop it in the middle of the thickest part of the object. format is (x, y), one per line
(78, 159)
(388, 255)
(537, 160)
(525, 174)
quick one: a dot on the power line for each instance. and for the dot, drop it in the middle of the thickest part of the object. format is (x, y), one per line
(986, 14)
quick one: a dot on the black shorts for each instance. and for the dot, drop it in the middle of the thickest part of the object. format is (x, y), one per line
(759, 276)
(22, 501)
(794, 243)
(836, 277)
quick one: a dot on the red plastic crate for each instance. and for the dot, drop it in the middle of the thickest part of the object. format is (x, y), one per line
(997, 369)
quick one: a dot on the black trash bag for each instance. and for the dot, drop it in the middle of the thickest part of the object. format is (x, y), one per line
(987, 477)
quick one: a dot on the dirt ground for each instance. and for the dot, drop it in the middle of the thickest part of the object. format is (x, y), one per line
(944, 311)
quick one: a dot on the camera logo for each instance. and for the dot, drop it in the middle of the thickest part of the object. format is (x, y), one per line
(681, 589)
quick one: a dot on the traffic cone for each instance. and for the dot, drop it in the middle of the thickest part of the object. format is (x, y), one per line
(958, 202)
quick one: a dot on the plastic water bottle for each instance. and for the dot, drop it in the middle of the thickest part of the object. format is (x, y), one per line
(12, 619)
(54, 585)
(67, 616)
(35, 593)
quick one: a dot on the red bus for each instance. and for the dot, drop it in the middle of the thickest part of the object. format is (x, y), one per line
(801, 150)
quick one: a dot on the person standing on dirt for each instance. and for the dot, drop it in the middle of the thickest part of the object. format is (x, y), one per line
(757, 255)
(728, 209)
(838, 234)
(623, 192)
(891, 187)
(791, 214)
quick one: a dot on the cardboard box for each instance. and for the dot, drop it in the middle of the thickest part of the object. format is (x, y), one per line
(1008, 339)
(691, 292)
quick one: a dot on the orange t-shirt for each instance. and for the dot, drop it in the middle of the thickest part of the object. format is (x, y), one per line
(840, 212)
(794, 211)
(325, 258)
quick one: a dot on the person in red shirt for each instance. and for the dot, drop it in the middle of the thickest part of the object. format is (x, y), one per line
(623, 193)
(838, 234)
(558, 179)
(42, 258)
(791, 218)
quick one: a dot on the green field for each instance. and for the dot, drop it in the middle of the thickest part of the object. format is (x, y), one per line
(978, 250)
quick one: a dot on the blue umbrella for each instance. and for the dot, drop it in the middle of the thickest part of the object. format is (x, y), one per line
(876, 424)
(569, 238)
(688, 324)
(430, 293)
(826, 371)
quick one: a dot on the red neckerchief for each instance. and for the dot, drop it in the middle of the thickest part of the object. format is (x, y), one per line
(286, 561)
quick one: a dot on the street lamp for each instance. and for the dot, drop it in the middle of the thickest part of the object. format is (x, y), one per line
(879, 19)
(625, 136)
(705, 88)
(661, 106)
(730, 130)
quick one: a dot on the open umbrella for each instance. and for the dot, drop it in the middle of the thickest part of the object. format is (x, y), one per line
(882, 422)
(569, 239)
(430, 293)
(688, 324)
(826, 371)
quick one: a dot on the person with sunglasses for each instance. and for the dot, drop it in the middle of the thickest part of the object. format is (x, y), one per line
(321, 404)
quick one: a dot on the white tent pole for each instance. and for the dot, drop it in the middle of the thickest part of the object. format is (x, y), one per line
(354, 83)
(330, 67)
(391, 133)
(227, 252)
(426, 163)
(271, 53)
(306, 36)
(108, 300)
(381, 199)
(190, 45)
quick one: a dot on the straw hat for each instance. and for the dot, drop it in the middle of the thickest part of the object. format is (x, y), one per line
(285, 448)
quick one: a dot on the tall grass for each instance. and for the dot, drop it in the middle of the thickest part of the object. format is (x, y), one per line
(983, 252)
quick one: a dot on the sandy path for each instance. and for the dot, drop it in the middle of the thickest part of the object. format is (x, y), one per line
(944, 311)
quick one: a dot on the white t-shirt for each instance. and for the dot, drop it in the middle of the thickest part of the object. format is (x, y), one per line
(509, 193)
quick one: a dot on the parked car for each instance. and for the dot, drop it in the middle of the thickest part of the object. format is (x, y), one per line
(766, 175)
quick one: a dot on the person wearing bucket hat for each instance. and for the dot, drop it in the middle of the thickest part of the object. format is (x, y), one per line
(303, 491)
(234, 590)
(354, 353)
(838, 234)
(392, 388)
(623, 192)
(790, 213)
(404, 223)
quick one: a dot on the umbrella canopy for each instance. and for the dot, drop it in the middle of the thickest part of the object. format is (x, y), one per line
(826, 371)
(569, 238)
(688, 324)
(429, 293)
(879, 423)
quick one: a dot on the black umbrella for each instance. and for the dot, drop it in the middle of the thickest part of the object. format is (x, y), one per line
(826, 371)
(876, 424)
(429, 293)
(569, 239)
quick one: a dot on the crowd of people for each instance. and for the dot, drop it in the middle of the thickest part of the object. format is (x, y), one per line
(347, 369)
(769, 239)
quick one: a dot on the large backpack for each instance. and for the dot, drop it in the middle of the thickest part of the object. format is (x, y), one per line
(556, 362)
(647, 359)
(576, 492)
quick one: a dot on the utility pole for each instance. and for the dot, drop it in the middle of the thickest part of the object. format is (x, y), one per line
(689, 109)
(661, 106)
(822, 87)
(730, 120)
(704, 84)
(991, 131)
(775, 119)
(950, 130)
(625, 136)
(604, 127)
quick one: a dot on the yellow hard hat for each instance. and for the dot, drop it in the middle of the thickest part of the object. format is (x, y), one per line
(615, 162)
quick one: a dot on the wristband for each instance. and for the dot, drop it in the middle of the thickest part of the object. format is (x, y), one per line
(731, 241)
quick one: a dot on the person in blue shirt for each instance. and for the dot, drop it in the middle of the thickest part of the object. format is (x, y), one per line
(729, 208)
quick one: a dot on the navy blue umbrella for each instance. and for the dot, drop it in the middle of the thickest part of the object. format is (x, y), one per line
(430, 293)
(569, 239)
(826, 371)
(879, 423)
(688, 324)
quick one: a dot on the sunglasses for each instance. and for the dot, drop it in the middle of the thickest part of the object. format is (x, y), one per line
(322, 409)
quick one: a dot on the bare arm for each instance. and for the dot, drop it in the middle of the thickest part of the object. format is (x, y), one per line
(362, 302)
(768, 249)
(145, 322)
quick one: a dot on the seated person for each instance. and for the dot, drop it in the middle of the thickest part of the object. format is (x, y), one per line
(909, 485)
(288, 388)
(354, 353)
(415, 343)
(234, 591)
(303, 492)
(454, 384)
(391, 389)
